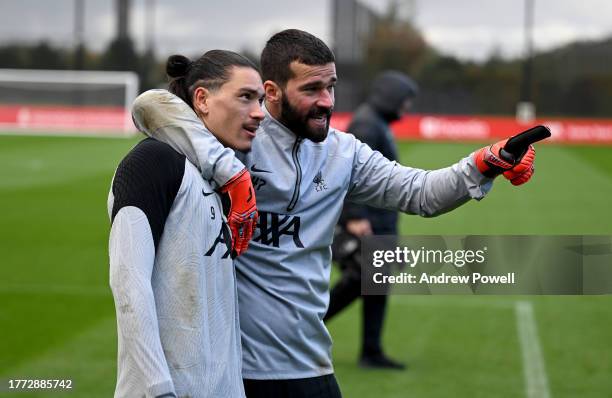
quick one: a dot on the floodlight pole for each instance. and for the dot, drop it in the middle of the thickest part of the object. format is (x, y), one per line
(525, 109)
(527, 89)
(150, 27)
(79, 32)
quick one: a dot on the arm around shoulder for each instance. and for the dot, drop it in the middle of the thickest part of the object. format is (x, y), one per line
(164, 116)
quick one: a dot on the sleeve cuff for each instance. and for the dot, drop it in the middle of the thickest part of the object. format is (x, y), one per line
(477, 184)
(164, 389)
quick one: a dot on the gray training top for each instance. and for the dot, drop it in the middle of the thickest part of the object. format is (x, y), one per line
(283, 278)
(172, 279)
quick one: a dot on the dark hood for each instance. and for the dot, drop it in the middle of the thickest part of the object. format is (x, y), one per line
(389, 91)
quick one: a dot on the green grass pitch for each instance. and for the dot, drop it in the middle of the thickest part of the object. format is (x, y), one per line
(57, 314)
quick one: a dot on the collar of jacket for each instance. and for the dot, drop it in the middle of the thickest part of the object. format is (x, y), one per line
(276, 130)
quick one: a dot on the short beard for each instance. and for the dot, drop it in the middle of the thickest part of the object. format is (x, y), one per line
(298, 124)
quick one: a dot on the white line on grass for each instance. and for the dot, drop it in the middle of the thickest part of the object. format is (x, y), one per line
(536, 382)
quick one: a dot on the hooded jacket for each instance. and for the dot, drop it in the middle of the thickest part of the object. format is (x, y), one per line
(370, 124)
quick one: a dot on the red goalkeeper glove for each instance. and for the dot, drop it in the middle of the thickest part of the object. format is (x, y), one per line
(242, 218)
(491, 163)
(524, 169)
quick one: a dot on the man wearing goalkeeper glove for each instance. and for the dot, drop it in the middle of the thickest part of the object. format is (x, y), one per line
(171, 269)
(302, 171)
(491, 163)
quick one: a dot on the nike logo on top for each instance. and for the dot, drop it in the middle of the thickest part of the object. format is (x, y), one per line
(256, 170)
(207, 193)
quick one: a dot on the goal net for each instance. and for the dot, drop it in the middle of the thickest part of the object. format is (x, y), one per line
(63, 101)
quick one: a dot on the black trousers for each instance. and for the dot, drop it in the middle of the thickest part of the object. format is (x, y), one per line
(347, 290)
(312, 387)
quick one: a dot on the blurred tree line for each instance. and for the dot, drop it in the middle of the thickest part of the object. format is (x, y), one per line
(120, 55)
(574, 80)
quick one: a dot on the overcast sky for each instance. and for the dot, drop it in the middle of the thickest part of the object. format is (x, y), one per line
(469, 29)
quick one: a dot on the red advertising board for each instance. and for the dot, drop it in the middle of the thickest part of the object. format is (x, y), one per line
(487, 128)
(82, 120)
(115, 120)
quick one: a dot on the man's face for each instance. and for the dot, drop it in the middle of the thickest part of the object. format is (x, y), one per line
(308, 100)
(233, 111)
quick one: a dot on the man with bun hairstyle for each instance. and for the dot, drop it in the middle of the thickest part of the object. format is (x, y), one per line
(171, 270)
(222, 169)
(302, 171)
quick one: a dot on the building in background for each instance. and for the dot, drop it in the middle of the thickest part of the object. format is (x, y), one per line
(358, 33)
(352, 25)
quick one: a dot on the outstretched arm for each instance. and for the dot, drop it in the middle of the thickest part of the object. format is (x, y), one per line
(387, 184)
(382, 183)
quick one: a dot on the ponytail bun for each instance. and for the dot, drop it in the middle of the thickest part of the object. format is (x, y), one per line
(177, 66)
